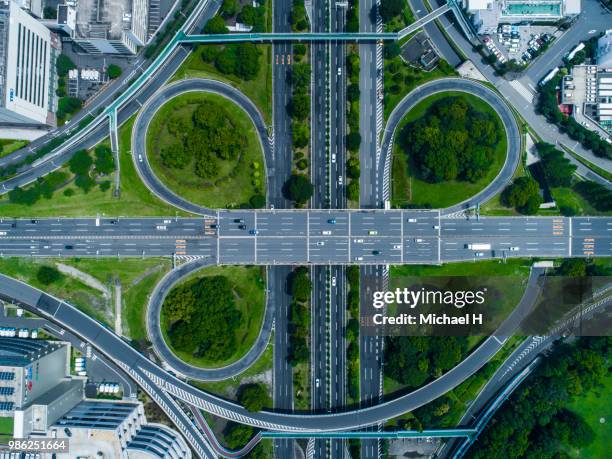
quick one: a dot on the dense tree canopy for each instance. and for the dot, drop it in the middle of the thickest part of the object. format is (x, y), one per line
(598, 195)
(523, 194)
(298, 188)
(202, 317)
(210, 137)
(414, 360)
(48, 274)
(557, 169)
(453, 141)
(254, 397)
(390, 8)
(536, 421)
(113, 71)
(215, 25)
(104, 161)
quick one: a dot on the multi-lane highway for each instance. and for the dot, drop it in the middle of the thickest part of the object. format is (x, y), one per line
(309, 237)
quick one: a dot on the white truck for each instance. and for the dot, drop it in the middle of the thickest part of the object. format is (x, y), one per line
(478, 246)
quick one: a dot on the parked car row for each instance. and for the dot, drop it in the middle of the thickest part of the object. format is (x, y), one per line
(12, 332)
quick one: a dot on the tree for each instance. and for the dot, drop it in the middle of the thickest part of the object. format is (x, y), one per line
(352, 190)
(573, 267)
(84, 182)
(352, 93)
(300, 76)
(215, 25)
(104, 161)
(299, 50)
(253, 16)
(50, 13)
(300, 134)
(598, 195)
(28, 196)
(254, 397)
(558, 170)
(247, 61)
(237, 435)
(80, 163)
(48, 274)
(113, 71)
(299, 106)
(225, 61)
(63, 64)
(257, 201)
(523, 194)
(300, 285)
(175, 156)
(392, 50)
(230, 7)
(353, 141)
(299, 188)
(390, 8)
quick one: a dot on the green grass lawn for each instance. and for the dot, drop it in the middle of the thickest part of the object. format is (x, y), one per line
(7, 146)
(6, 429)
(513, 267)
(137, 276)
(407, 188)
(595, 407)
(135, 198)
(233, 184)
(249, 287)
(259, 90)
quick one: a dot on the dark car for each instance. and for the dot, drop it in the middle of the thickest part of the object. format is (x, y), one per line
(238, 220)
(213, 226)
(33, 221)
(113, 222)
(67, 432)
(69, 247)
(375, 252)
(13, 225)
(242, 227)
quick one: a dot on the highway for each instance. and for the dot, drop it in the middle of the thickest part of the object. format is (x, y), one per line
(367, 237)
(279, 171)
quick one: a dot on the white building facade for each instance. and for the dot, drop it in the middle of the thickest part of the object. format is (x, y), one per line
(27, 68)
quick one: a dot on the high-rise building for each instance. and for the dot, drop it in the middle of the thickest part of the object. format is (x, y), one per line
(27, 69)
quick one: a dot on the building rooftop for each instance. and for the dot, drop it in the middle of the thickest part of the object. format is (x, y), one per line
(20, 352)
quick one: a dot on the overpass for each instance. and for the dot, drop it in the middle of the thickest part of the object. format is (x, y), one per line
(182, 37)
(438, 433)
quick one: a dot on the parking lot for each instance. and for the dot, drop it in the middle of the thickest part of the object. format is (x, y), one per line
(523, 43)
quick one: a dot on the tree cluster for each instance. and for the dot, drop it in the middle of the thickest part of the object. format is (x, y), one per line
(202, 318)
(548, 106)
(239, 59)
(113, 71)
(352, 16)
(43, 188)
(300, 287)
(352, 332)
(298, 189)
(353, 138)
(48, 274)
(557, 169)
(68, 106)
(453, 141)
(299, 105)
(210, 137)
(415, 360)
(298, 17)
(254, 397)
(390, 8)
(598, 195)
(523, 194)
(536, 422)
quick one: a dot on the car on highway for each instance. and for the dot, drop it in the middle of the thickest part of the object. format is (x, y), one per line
(326, 233)
(412, 220)
(140, 158)
(333, 157)
(331, 221)
(436, 227)
(358, 241)
(372, 232)
(317, 382)
(213, 226)
(479, 254)
(340, 180)
(242, 227)
(358, 258)
(34, 222)
(333, 281)
(113, 222)
(375, 252)
(238, 220)
(418, 240)
(13, 225)
(69, 247)
(320, 243)
(161, 227)
(514, 249)
(397, 247)
(254, 231)
(167, 222)
(2, 233)
(339, 71)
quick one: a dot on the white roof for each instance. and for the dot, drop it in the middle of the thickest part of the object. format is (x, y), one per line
(572, 7)
(604, 49)
(475, 5)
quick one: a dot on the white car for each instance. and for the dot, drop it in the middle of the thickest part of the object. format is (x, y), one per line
(161, 227)
(340, 180)
(140, 158)
(339, 71)
(412, 220)
(358, 241)
(436, 227)
(514, 249)
(167, 221)
(333, 157)
(326, 233)
(372, 233)
(2, 233)
(320, 243)
(333, 281)
(358, 258)
(317, 382)
(479, 254)
(397, 247)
